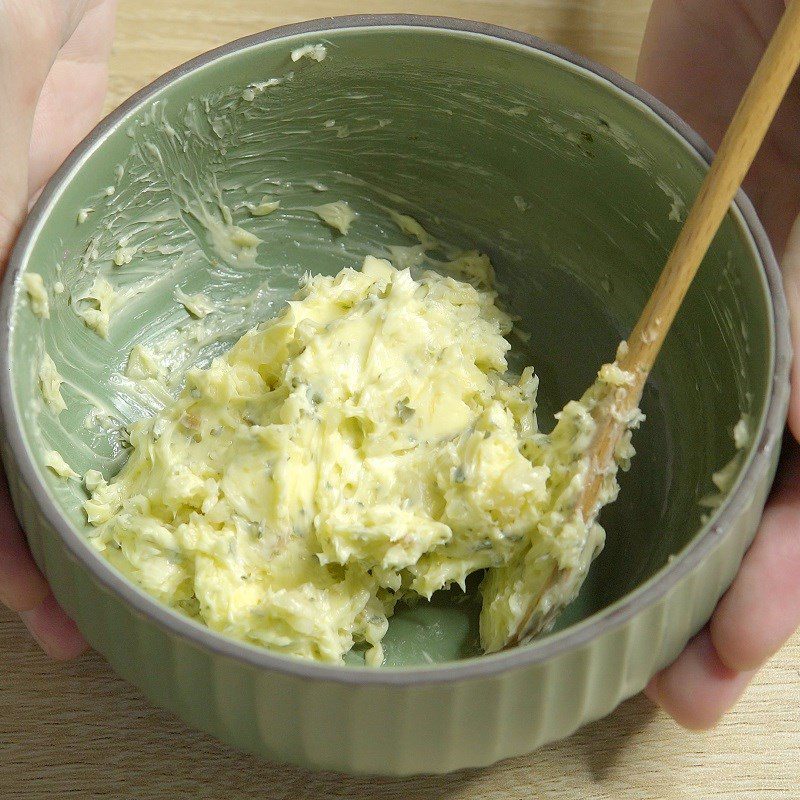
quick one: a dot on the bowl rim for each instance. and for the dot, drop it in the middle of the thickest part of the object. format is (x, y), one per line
(574, 637)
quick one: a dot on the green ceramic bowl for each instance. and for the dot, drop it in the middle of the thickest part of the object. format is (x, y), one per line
(575, 182)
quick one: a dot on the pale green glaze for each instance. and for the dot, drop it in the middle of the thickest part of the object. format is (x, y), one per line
(456, 125)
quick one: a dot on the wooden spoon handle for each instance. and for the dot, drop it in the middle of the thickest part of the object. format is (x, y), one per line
(732, 162)
(728, 170)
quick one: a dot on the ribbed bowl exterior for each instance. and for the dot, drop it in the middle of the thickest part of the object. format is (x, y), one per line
(387, 728)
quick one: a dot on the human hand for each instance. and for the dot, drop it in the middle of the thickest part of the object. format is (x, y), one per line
(698, 56)
(53, 72)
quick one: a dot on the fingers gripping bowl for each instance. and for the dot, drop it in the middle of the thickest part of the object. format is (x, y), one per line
(571, 181)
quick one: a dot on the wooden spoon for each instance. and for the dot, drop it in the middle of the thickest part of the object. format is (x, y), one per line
(729, 168)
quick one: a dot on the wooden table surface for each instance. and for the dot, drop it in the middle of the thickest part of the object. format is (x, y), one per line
(77, 731)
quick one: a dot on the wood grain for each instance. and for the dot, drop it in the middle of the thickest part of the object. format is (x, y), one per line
(154, 35)
(77, 731)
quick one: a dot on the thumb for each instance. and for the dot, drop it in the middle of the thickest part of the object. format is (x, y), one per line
(30, 37)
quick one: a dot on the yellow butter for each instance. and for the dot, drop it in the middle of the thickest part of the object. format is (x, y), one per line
(364, 447)
(37, 294)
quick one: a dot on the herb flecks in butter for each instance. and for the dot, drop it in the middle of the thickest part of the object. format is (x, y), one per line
(548, 574)
(363, 448)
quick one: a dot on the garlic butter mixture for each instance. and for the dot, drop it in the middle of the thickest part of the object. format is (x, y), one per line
(365, 447)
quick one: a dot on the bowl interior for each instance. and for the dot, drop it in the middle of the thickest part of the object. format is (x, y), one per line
(574, 189)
